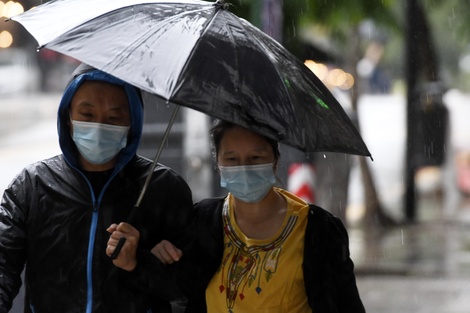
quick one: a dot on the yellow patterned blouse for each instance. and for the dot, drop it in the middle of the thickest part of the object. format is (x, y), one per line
(262, 275)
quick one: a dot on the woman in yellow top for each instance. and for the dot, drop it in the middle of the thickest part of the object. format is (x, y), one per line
(261, 248)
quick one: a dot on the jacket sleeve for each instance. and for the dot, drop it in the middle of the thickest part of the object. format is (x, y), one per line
(206, 253)
(12, 243)
(328, 268)
(154, 278)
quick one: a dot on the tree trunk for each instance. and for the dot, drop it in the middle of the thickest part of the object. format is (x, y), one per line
(332, 177)
(374, 212)
(421, 67)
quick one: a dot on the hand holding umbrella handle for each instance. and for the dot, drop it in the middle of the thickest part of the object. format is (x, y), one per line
(122, 240)
(119, 246)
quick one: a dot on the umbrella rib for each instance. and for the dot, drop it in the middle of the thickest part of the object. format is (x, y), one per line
(216, 7)
(124, 54)
(259, 41)
(286, 90)
(253, 37)
(237, 78)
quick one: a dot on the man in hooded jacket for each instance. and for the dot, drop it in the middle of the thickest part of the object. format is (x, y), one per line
(56, 215)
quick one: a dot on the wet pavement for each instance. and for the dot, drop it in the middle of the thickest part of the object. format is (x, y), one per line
(418, 267)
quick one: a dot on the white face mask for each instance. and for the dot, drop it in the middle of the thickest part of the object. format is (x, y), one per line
(99, 143)
(249, 183)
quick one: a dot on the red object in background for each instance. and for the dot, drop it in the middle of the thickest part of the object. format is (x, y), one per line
(463, 172)
(48, 55)
(301, 181)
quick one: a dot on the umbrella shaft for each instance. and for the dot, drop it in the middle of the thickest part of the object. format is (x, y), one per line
(130, 219)
(157, 156)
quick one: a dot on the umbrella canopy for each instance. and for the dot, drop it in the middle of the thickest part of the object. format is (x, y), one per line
(199, 55)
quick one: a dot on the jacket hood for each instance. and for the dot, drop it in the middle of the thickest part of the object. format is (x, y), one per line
(86, 73)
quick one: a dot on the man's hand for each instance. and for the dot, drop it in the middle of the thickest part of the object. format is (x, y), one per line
(126, 259)
(166, 252)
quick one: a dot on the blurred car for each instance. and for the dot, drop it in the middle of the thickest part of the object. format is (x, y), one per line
(19, 72)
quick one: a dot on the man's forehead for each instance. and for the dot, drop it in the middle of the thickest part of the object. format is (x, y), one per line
(92, 94)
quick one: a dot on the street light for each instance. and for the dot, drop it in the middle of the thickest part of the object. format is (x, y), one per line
(335, 77)
(10, 9)
(8, 31)
(6, 39)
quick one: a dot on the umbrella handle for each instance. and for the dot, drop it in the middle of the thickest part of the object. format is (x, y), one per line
(122, 240)
(119, 246)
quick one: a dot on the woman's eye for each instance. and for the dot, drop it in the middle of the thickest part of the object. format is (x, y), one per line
(116, 119)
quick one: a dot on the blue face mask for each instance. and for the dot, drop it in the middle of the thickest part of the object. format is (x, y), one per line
(99, 143)
(249, 183)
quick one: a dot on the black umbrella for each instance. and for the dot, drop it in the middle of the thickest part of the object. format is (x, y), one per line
(199, 55)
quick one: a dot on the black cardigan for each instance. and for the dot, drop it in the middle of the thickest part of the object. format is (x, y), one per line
(329, 277)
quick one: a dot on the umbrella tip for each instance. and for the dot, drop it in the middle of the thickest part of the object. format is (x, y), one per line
(221, 4)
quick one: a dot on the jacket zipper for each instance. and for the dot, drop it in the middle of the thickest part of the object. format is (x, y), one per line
(91, 244)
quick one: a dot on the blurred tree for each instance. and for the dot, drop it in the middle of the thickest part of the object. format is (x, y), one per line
(343, 20)
(427, 118)
(451, 34)
(422, 64)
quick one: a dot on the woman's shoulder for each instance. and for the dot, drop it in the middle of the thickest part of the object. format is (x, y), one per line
(320, 220)
(319, 213)
(209, 204)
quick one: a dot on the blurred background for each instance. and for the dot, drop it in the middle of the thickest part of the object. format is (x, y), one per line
(401, 70)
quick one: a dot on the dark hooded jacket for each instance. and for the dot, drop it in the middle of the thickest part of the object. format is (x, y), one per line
(52, 220)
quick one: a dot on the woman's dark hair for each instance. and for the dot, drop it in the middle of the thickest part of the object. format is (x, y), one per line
(217, 132)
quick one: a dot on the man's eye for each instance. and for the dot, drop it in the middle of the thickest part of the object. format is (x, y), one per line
(231, 159)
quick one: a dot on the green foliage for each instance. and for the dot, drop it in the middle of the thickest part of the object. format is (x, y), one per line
(451, 33)
(341, 14)
(449, 22)
(336, 16)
